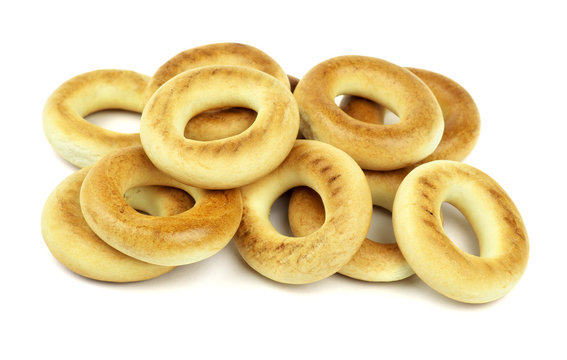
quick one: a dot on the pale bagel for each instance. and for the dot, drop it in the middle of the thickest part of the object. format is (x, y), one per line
(224, 163)
(77, 247)
(74, 138)
(180, 239)
(347, 199)
(501, 233)
(216, 54)
(373, 146)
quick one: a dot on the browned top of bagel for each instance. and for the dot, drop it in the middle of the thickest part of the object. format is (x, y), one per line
(217, 54)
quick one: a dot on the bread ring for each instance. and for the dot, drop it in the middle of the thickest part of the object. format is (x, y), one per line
(225, 163)
(216, 54)
(501, 233)
(373, 146)
(373, 261)
(77, 247)
(220, 124)
(306, 259)
(170, 240)
(460, 115)
(74, 138)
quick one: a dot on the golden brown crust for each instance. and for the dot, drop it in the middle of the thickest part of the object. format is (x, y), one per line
(373, 146)
(501, 233)
(77, 247)
(347, 199)
(171, 240)
(224, 163)
(74, 138)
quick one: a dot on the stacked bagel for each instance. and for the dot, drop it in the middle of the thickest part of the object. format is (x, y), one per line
(225, 131)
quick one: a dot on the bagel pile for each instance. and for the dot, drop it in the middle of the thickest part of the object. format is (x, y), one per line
(225, 131)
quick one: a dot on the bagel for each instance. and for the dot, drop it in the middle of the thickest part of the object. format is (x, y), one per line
(348, 203)
(77, 247)
(174, 240)
(373, 146)
(377, 262)
(223, 123)
(75, 139)
(502, 237)
(216, 54)
(460, 115)
(224, 163)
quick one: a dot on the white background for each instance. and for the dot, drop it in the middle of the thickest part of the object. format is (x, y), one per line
(508, 55)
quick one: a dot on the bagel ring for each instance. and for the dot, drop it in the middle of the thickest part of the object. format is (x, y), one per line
(74, 138)
(373, 261)
(299, 260)
(373, 146)
(72, 242)
(216, 54)
(174, 240)
(501, 233)
(460, 115)
(220, 124)
(224, 163)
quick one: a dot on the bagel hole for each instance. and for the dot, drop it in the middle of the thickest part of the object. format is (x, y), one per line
(156, 200)
(219, 123)
(388, 118)
(381, 229)
(278, 214)
(122, 121)
(459, 230)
